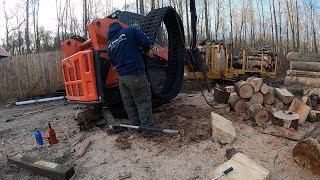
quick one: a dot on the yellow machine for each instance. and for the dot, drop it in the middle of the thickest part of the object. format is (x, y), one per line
(219, 63)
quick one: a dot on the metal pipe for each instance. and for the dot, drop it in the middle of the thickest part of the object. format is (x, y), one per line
(168, 131)
(40, 100)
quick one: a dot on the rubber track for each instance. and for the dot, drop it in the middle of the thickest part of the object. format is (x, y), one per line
(176, 39)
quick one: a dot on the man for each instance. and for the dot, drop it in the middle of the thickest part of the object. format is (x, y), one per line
(124, 50)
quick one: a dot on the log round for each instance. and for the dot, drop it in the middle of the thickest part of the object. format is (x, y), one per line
(286, 119)
(257, 97)
(237, 103)
(255, 82)
(264, 88)
(304, 57)
(244, 89)
(278, 104)
(258, 113)
(307, 152)
(268, 98)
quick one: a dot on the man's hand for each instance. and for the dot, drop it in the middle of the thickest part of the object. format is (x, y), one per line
(149, 54)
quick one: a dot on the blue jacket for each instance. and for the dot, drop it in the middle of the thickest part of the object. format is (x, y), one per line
(124, 49)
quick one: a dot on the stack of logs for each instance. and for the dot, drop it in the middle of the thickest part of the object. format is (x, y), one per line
(261, 56)
(259, 100)
(304, 69)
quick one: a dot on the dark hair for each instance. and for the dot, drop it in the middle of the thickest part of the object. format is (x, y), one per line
(116, 23)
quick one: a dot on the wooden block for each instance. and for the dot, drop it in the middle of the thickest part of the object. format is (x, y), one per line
(243, 168)
(302, 109)
(286, 119)
(284, 95)
(258, 113)
(264, 88)
(83, 148)
(257, 97)
(237, 103)
(43, 168)
(255, 82)
(244, 89)
(222, 129)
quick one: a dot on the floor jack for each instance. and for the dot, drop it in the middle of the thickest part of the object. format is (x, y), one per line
(114, 125)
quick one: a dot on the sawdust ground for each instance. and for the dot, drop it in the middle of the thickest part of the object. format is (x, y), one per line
(128, 155)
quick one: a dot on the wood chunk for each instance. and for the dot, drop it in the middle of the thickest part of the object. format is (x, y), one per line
(223, 130)
(244, 89)
(237, 103)
(303, 57)
(314, 116)
(278, 104)
(286, 119)
(257, 97)
(258, 113)
(284, 95)
(243, 168)
(83, 148)
(302, 109)
(268, 98)
(264, 88)
(307, 152)
(255, 82)
(43, 168)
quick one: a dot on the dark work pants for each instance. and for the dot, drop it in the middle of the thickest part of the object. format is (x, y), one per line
(136, 96)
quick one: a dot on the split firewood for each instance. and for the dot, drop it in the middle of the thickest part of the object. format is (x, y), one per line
(83, 148)
(284, 95)
(257, 112)
(286, 119)
(244, 89)
(264, 88)
(268, 98)
(307, 152)
(257, 97)
(237, 103)
(302, 109)
(255, 82)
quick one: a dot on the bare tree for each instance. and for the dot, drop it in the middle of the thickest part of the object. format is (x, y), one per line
(26, 32)
(141, 7)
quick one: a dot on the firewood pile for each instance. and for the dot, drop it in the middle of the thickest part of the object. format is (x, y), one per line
(304, 69)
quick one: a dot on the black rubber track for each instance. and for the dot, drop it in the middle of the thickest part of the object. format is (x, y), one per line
(172, 72)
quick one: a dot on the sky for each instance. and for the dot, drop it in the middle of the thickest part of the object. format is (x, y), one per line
(47, 13)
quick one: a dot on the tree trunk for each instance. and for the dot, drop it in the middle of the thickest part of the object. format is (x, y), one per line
(304, 57)
(258, 113)
(244, 89)
(284, 95)
(27, 37)
(303, 73)
(236, 103)
(205, 3)
(303, 81)
(307, 152)
(298, 31)
(188, 27)
(305, 66)
(141, 7)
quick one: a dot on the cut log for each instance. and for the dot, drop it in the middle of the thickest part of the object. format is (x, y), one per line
(304, 57)
(244, 89)
(237, 103)
(264, 88)
(268, 98)
(286, 119)
(303, 73)
(305, 66)
(284, 95)
(257, 97)
(278, 104)
(83, 148)
(314, 116)
(303, 81)
(258, 113)
(302, 109)
(307, 152)
(255, 82)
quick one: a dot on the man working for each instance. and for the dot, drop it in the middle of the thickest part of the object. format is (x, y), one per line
(124, 50)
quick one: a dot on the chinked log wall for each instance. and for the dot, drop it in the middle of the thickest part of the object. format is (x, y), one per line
(30, 75)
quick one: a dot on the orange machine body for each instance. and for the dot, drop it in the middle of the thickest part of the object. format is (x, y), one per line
(78, 67)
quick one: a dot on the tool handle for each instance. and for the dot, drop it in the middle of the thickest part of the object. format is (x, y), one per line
(227, 171)
(49, 125)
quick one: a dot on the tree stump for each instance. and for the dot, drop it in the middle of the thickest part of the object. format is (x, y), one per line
(286, 119)
(284, 95)
(221, 96)
(307, 152)
(264, 88)
(257, 97)
(237, 103)
(244, 89)
(258, 113)
(255, 82)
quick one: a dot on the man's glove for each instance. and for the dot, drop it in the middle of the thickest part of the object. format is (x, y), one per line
(149, 54)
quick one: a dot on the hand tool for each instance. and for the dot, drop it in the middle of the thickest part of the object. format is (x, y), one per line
(224, 173)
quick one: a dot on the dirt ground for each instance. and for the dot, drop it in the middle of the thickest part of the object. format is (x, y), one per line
(128, 155)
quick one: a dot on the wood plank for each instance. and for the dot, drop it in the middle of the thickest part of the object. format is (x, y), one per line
(43, 168)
